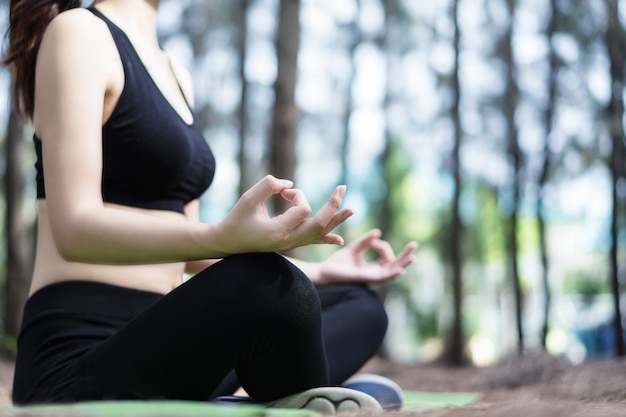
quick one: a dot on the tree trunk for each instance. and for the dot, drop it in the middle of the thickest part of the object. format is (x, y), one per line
(515, 153)
(456, 343)
(546, 168)
(617, 55)
(19, 236)
(356, 39)
(285, 114)
(385, 209)
(244, 182)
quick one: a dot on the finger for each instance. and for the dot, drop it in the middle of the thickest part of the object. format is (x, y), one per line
(296, 197)
(324, 216)
(406, 257)
(394, 269)
(266, 187)
(294, 216)
(384, 250)
(364, 242)
(301, 208)
(339, 217)
(311, 229)
(292, 219)
(332, 239)
(408, 250)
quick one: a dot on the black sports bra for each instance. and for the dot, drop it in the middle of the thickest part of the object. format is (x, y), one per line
(151, 158)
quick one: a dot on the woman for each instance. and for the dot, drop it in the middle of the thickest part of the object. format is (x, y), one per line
(121, 164)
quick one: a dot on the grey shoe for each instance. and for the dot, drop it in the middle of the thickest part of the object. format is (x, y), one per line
(329, 400)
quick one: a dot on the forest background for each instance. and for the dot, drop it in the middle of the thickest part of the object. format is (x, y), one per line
(490, 131)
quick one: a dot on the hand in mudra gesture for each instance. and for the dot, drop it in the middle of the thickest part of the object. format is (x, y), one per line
(348, 264)
(249, 227)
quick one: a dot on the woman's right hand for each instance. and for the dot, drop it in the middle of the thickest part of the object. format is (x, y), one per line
(249, 227)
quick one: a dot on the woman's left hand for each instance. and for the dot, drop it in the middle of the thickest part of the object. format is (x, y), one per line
(347, 264)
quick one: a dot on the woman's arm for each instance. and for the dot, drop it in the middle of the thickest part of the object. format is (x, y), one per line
(74, 75)
(192, 212)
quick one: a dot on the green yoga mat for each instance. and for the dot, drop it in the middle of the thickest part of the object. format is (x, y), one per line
(422, 401)
(151, 409)
(414, 402)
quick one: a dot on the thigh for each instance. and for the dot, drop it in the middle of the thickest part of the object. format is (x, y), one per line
(251, 313)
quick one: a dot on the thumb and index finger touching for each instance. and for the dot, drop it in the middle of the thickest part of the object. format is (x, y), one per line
(372, 240)
(269, 186)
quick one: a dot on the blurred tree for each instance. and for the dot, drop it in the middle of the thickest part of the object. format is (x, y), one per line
(20, 232)
(285, 114)
(456, 343)
(355, 39)
(616, 46)
(392, 162)
(546, 166)
(384, 218)
(242, 116)
(511, 100)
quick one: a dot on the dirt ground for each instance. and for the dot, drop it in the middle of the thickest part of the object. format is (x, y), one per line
(534, 385)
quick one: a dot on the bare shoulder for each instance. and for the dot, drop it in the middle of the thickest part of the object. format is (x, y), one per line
(76, 28)
(79, 21)
(75, 67)
(75, 42)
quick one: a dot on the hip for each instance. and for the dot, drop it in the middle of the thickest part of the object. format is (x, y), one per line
(62, 323)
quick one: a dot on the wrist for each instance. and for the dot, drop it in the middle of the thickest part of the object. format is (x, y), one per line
(316, 274)
(313, 270)
(213, 241)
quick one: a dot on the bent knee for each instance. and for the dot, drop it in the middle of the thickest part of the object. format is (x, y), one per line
(264, 267)
(262, 278)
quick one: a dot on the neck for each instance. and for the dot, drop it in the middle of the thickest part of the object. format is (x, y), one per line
(136, 16)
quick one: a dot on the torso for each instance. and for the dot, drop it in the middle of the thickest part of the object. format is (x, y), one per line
(50, 267)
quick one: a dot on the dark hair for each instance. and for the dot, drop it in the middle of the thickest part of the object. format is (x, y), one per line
(28, 21)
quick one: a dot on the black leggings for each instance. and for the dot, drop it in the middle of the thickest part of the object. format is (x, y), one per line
(251, 320)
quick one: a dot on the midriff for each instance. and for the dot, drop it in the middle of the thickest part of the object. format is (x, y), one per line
(50, 267)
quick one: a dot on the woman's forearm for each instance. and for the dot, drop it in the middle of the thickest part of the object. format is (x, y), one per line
(113, 236)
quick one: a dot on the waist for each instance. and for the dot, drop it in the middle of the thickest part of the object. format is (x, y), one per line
(51, 268)
(88, 297)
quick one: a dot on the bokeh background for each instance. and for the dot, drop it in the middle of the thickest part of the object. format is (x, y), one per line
(490, 131)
